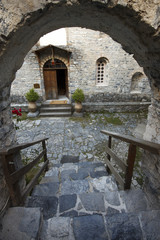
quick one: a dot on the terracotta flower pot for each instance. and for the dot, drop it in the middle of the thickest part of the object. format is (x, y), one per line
(78, 107)
(32, 106)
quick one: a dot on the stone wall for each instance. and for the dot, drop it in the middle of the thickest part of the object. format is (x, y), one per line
(87, 47)
(26, 77)
(151, 162)
(7, 138)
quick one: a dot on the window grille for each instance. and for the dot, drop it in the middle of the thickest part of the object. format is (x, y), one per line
(101, 66)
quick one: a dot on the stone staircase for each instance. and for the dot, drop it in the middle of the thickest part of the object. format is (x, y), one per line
(79, 201)
(55, 110)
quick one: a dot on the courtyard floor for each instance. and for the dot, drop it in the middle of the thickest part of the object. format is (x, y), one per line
(81, 136)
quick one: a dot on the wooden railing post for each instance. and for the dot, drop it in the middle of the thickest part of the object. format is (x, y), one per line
(127, 167)
(14, 173)
(108, 156)
(130, 166)
(45, 154)
(8, 168)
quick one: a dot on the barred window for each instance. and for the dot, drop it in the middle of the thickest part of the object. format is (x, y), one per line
(101, 71)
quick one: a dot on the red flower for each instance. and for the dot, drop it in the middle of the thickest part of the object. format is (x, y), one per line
(17, 112)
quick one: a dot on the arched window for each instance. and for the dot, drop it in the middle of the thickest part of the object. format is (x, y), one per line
(101, 71)
(136, 81)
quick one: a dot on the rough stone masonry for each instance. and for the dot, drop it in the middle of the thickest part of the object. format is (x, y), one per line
(123, 79)
(134, 24)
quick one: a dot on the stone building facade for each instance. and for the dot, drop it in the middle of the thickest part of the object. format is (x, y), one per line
(95, 63)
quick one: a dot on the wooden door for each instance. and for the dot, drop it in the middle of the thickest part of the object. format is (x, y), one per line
(50, 83)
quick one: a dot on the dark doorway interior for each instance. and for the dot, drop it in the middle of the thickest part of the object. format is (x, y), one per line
(61, 81)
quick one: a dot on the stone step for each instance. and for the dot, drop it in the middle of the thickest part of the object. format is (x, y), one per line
(69, 159)
(48, 204)
(46, 105)
(135, 200)
(71, 205)
(21, 223)
(75, 178)
(55, 109)
(74, 203)
(55, 114)
(77, 171)
(126, 226)
(90, 185)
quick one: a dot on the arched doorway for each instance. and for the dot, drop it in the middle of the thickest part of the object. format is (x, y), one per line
(55, 79)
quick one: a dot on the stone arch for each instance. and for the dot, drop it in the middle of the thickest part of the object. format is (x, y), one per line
(131, 25)
(96, 15)
(50, 57)
(102, 59)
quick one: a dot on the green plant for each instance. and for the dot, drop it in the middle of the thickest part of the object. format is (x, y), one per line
(78, 95)
(32, 96)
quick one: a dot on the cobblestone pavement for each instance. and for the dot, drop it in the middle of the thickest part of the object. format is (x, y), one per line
(81, 136)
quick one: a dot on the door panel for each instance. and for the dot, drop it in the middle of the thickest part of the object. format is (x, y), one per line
(50, 83)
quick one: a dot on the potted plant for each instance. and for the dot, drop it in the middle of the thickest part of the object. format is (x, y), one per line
(78, 97)
(32, 97)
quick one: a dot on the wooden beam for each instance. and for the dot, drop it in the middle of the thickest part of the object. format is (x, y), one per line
(150, 146)
(117, 159)
(108, 156)
(130, 163)
(19, 147)
(45, 152)
(15, 197)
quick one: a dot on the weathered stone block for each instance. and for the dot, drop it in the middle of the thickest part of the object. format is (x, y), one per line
(74, 187)
(150, 222)
(89, 227)
(56, 228)
(48, 204)
(67, 202)
(46, 189)
(123, 226)
(21, 223)
(93, 201)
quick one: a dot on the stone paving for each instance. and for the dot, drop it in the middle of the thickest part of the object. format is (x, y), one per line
(80, 201)
(77, 201)
(77, 189)
(81, 136)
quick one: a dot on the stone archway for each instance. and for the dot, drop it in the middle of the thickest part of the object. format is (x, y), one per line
(134, 24)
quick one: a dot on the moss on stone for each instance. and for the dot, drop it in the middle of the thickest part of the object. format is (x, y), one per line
(33, 171)
(113, 120)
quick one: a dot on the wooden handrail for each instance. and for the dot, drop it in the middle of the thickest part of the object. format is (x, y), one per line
(19, 147)
(22, 171)
(13, 176)
(129, 165)
(150, 146)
